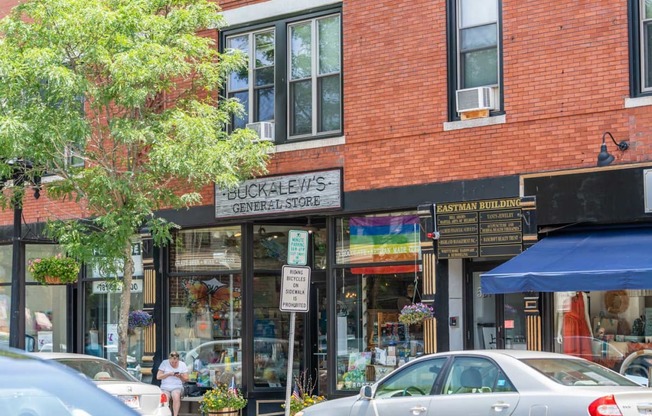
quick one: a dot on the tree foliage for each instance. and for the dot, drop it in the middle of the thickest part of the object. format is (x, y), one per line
(131, 88)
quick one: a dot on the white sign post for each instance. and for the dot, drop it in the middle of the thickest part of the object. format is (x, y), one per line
(295, 297)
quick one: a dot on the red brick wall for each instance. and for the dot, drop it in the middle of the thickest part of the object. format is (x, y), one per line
(566, 76)
(565, 81)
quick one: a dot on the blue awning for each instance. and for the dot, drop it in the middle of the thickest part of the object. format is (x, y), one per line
(589, 260)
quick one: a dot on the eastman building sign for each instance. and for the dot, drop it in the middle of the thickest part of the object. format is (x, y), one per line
(488, 228)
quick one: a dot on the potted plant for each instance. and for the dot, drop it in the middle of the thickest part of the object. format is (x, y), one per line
(415, 313)
(54, 270)
(140, 319)
(303, 396)
(222, 401)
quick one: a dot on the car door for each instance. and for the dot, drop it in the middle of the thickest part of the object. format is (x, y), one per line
(407, 392)
(474, 386)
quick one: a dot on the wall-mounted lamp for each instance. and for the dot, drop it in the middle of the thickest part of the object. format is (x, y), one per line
(604, 158)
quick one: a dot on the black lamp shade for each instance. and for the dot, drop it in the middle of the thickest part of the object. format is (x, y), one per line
(604, 158)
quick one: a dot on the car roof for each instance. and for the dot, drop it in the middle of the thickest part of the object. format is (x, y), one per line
(59, 355)
(517, 354)
(19, 370)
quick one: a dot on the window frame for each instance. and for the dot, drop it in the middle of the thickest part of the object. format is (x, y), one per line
(253, 115)
(455, 55)
(637, 64)
(281, 26)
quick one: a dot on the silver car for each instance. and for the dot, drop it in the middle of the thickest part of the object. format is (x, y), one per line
(495, 382)
(146, 399)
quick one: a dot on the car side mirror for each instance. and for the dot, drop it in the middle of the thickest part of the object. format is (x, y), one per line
(366, 393)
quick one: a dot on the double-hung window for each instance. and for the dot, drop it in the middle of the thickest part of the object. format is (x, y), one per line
(641, 47)
(253, 85)
(294, 75)
(315, 94)
(476, 54)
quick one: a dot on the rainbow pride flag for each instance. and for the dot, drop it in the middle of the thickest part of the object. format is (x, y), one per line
(383, 240)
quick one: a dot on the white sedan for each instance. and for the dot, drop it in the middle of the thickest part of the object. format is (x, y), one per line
(146, 399)
(495, 382)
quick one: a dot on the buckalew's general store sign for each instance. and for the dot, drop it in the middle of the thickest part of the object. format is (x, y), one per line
(311, 191)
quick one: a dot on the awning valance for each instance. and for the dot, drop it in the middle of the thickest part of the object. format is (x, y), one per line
(588, 260)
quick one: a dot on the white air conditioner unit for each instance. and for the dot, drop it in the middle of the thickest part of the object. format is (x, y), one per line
(471, 99)
(264, 129)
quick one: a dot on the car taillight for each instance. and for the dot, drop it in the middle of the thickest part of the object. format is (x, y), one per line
(164, 399)
(604, 406)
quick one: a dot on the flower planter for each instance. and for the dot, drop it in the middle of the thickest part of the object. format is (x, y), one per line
(229, 411)
(52, 280)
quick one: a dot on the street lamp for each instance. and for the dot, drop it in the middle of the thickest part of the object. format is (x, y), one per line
(20, 178)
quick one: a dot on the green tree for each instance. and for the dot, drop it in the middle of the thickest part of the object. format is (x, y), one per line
(129, 87)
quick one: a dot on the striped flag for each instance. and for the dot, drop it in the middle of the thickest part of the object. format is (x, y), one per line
(295, 393)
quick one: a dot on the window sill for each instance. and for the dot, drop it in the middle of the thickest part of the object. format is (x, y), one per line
(638, 102)
(476, 122)
(309, 144)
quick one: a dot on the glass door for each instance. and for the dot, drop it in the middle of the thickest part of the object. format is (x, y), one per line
(495, 321)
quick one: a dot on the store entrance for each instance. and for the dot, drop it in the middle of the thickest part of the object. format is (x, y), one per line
(493, 321)
(270, 241)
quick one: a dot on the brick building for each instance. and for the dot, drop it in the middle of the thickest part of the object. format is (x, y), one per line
(481, 120)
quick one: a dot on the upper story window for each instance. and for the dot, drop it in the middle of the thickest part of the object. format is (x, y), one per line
(294, 75)
(641, 56)
(315, 94)
(476, 55)
(254, 86)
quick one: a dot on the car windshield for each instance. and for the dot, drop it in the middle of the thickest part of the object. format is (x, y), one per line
(577, 372)
(97, 370)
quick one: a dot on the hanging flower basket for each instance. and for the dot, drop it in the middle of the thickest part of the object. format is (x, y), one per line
(415, 313)
(140, 319)
(54, 270)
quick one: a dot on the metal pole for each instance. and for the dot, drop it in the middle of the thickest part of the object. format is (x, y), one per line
(17, 325)
(288, 387)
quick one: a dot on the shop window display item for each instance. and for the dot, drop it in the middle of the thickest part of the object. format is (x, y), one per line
(574, 328)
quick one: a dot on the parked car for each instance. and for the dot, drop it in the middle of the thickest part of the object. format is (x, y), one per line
(495, 382)
(146, 399)
(30, 386)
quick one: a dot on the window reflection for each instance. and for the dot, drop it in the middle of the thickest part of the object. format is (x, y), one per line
(371, 341)
(206, 324)
(271, 332)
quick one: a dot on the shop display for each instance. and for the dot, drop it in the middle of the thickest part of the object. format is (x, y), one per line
(620, 325)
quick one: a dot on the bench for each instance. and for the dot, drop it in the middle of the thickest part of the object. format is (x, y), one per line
(189, 406)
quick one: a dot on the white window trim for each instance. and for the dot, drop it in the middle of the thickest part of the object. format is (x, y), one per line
(271, 8)
(638, 102)
(643, 46)
(475, 122)
(308, 144)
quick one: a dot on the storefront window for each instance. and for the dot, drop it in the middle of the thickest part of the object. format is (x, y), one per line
(103, 291)
(45, 307)
(379, 238)
(5, 263)
(371, 341)
(101, 321)
(206, 325)
(206, 250)
(5, 294)
(271, 334)
(607, 327)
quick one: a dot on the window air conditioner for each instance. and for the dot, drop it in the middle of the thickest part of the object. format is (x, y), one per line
(264, 130)
(472, 99)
